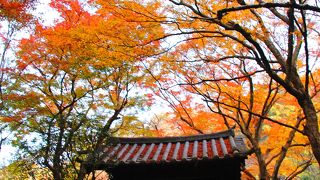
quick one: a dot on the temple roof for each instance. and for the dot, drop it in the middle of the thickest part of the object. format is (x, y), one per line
(213, 146)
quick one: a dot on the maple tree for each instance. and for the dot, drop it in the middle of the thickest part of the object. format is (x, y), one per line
(235, 46)
(225, 23)
(76, 80)
(269, 118)
(274, 37)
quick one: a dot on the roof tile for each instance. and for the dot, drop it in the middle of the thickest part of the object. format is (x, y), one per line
(169, 149)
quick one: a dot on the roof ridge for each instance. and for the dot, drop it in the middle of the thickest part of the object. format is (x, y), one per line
(221, 134)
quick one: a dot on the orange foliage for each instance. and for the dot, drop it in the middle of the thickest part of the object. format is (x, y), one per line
(225, 86)
(15, 10)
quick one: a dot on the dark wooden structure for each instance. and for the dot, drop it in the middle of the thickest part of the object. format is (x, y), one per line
(212, 156)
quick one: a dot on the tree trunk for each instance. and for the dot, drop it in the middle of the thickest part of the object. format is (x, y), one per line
(263, 173)
(82, 172)
(57, 174)
(312, 128)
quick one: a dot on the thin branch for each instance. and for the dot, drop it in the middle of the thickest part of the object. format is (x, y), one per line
(223, 12)
(296, 172)
(260, 116)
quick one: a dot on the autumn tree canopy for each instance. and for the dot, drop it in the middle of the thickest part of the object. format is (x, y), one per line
(75, 83)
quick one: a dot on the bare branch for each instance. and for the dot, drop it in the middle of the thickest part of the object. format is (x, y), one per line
(222, 12)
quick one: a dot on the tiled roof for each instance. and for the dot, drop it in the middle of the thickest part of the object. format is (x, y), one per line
(172, 149)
